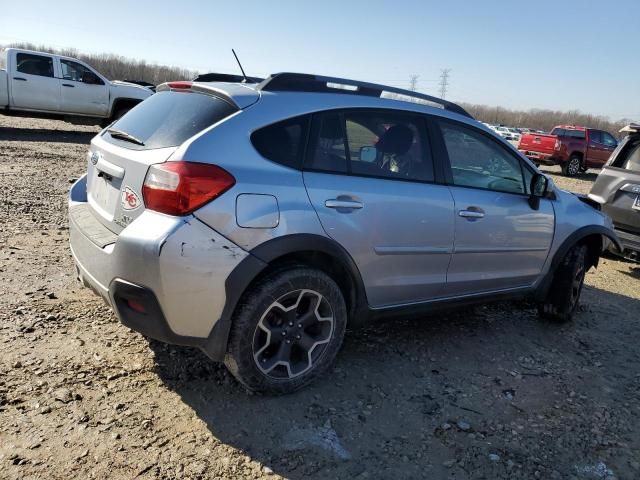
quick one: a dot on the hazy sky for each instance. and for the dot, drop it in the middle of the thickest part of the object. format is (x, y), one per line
(532, 54)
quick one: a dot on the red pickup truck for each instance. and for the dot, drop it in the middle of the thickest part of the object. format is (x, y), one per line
(574, 148)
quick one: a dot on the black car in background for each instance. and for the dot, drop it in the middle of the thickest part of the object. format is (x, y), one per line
(617, 190)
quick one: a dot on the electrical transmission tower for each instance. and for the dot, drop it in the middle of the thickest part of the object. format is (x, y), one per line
(413, 82)
(444, 82)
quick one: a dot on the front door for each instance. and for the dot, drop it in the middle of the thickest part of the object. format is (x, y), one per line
(500, 241)
(33, 82)
(82, 90)
(369, 175)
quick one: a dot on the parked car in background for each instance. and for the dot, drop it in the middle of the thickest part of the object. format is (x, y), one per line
(574, 148)
(507, 133)
(617, 189)
(257, 221)
(38, 84)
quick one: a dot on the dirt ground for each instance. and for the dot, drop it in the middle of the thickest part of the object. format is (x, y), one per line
(487, 393)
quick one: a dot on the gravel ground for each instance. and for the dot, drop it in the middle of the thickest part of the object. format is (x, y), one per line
(491, 392)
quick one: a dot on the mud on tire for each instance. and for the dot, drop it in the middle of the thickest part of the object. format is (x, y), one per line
(564, 294)
(286, 330)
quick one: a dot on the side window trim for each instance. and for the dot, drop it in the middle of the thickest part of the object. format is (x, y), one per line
(447, 163)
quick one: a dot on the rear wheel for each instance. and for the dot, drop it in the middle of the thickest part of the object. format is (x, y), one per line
(572, 167)
(564, 294)
(286, 331)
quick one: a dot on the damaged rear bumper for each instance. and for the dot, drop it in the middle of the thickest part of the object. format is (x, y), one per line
(164, 276)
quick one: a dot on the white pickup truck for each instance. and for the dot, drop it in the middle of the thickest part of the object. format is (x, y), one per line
(37, 84)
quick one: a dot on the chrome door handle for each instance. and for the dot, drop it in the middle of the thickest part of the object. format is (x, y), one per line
(348, 204)
(471, 214)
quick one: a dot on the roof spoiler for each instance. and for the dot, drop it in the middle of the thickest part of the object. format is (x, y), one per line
(225, 77)
(303, 82)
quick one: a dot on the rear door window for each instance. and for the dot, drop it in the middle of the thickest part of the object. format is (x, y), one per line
(388, 144)
(34, 64)
(168, 119)
(371, 143)
(328, 144)
(282, 142)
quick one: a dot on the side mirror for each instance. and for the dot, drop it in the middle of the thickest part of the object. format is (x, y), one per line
(368, 154)
(538, 188)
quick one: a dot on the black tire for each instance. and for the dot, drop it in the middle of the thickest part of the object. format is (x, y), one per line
(564, 294)
(276, 308)
(572, 166)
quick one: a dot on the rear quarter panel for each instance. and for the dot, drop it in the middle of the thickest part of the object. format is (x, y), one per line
(229, 146)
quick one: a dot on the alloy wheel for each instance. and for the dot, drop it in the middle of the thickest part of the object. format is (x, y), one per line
(292, 334)
(576, 285)
(574, 166)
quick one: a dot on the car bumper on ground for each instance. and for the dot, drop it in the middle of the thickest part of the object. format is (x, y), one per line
(630, 242)
(163, 276)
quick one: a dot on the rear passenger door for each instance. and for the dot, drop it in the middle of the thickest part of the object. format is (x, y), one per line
(370, 177)
(500, 241)
(33, 82)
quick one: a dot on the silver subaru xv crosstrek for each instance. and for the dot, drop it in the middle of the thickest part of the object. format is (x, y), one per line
(258, 221)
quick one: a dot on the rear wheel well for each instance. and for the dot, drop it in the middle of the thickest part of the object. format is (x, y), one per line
(326, 263)
(123, 104)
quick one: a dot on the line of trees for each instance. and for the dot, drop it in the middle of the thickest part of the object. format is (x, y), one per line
(541, 119)
(117, 67)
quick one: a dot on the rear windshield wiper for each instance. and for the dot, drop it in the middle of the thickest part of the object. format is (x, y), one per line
(115, 133)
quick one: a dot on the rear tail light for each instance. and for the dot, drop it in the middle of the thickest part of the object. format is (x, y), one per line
(179, 188)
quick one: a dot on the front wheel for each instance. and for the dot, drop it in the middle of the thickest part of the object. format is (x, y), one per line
(564, 293)
(572, 167)
(286, 331)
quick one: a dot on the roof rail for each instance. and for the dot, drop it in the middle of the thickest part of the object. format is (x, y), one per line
(304, 82)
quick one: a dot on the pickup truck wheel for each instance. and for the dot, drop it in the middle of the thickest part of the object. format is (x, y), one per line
(572, 167)
(564, 293)
(286, 331)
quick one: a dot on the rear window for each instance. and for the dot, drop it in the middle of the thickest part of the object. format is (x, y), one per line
(563, 132)
(282, 142)
(168, 119)
(34, 64)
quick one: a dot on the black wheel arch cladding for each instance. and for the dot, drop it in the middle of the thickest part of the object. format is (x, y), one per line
(269, 253)
(576, 237)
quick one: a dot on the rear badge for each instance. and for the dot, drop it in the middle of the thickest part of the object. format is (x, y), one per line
(130, 199)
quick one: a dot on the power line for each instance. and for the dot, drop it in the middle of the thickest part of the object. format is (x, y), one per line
(444, 82)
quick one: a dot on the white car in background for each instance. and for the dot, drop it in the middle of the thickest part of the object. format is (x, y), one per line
(507, 133)
(37, 84)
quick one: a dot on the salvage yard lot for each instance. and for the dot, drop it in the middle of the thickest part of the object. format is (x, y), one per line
(490, 392)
